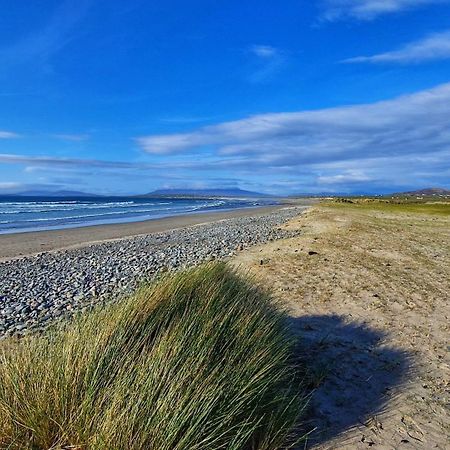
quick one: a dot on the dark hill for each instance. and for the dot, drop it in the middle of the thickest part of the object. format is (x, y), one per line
(428, 192)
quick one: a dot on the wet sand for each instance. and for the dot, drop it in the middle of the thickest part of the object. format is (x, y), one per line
(23, 244)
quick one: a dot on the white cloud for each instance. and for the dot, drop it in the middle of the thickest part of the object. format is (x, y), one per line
(411, 124)
(165, 144)
(8, 135)
(370, 9)
(433, 47)
(264, 51)
(349, 176)
(403, 142)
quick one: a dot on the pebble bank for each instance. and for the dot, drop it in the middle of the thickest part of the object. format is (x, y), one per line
(37, 290)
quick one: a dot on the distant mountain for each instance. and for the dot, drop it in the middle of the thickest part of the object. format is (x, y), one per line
(235, 192)
(429, 192)
(58, 194)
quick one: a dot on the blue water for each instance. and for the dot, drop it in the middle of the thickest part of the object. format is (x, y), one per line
(41, 213)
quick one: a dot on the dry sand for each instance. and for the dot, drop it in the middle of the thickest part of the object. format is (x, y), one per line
(369, 294)
(23, 244)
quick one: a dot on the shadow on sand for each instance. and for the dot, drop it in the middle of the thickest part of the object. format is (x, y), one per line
(356, 373)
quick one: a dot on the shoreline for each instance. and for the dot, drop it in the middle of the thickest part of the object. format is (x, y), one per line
(18, 245)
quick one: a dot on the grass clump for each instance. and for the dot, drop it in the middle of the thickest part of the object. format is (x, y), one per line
(197, 360)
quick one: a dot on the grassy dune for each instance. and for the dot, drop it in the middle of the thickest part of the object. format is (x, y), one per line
(198, 360)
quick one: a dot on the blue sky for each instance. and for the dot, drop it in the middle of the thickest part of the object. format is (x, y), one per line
(282, 97)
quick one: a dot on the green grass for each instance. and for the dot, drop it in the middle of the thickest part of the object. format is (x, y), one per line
(198, 360)
(432, 208)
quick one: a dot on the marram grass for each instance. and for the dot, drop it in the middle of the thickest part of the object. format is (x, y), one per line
(198, 360)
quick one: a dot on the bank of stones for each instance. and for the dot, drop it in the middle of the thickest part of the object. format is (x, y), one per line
(36, 290)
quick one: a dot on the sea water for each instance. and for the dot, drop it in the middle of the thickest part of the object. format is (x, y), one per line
(21, 214)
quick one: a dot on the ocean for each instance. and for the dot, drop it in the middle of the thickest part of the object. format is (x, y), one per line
(49, 213)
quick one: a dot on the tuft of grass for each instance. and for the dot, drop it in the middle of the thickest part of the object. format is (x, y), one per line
(198, 360)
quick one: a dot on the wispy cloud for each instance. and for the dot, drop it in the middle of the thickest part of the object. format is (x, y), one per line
(38, 163)
(433, 47)
(50, 161)
(184, 119)
(369, 9)
(266, 61)
(10, 186)
(40, 45)
(8, 135)
(72, 137)
(264, 51)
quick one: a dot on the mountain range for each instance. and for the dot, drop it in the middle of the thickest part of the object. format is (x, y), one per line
(233, 192)
(230, 192)
(428, 192)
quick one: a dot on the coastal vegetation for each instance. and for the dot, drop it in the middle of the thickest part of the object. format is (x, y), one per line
(395, 205)
(197, 360)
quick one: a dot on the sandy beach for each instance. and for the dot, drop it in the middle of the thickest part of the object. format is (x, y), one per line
(17, 245)
(367, 289)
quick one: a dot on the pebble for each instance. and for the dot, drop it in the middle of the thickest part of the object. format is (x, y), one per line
(36, 289)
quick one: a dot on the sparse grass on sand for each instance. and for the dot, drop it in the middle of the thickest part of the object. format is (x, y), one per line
(197, 360)
(367, 284)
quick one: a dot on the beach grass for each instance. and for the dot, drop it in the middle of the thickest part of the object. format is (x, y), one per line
(197, 360)
(439, 208)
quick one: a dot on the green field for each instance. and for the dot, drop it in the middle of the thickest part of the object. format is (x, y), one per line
(394, 206)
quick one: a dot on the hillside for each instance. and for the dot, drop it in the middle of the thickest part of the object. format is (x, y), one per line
(428, 192)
